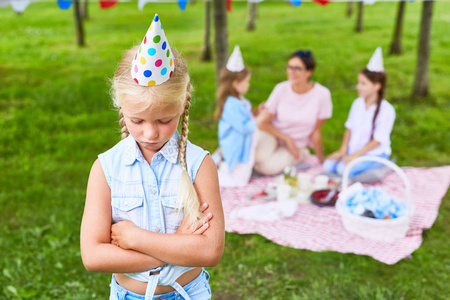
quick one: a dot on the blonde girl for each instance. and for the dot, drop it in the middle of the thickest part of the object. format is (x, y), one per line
(237, 127)
(369, 124)
(158, 190)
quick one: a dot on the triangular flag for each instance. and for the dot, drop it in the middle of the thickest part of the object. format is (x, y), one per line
(107, 4)
(322, 2)
(64, 4)
(153, 63)
(236, 62)
(296, 2)
(376, 61)
(19, 6)
(141, 3)
(229, 3)
(182, 4)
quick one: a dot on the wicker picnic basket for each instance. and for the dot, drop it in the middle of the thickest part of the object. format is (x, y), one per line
(378, 229)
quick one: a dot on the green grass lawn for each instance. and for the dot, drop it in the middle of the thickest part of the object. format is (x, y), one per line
(56, 117)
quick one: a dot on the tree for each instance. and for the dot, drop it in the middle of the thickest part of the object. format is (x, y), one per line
(396, 46)
(84, 10)
(359, 21)
(349, 9)
(206, 54)
(252, 15)
(420, 88)
(78, 23)
(221, 43)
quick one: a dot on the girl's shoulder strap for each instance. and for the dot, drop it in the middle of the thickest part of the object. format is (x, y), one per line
(194, 158)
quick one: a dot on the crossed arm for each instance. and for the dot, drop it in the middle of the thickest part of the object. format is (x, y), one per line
(135, 249)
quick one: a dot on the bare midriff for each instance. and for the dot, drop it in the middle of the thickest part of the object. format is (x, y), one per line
(140, 287)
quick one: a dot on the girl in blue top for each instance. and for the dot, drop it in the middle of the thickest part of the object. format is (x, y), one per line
(237, 126)
(369, 124)
(153, 186)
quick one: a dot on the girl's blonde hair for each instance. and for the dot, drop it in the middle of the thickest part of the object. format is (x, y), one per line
(176, 91)
(226, 88)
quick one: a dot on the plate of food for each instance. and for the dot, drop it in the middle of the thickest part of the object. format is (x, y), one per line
(325, 197)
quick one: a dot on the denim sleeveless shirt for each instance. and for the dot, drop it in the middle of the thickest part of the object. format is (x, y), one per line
(146, 194)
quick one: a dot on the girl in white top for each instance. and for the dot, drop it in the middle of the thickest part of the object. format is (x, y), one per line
(368, 126)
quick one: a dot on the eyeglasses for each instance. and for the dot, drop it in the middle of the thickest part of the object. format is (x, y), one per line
(303, 53)
(295, 69)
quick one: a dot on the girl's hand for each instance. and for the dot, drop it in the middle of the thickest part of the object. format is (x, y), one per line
(337, 155)
(199, 227)
(121, 234)
(348, 158)
(292, 147)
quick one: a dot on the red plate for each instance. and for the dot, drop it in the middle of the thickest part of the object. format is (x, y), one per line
(318, 198)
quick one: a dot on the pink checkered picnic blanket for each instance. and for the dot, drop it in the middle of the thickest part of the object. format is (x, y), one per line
(320, 228)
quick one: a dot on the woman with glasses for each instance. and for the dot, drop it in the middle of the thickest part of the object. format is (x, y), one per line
(292, 118)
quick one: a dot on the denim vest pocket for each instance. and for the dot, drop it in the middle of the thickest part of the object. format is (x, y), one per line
(173, 215)
(127, 202)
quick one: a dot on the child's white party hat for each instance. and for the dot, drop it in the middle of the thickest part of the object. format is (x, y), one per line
(153, 63)
(235, 62)
(376, 61)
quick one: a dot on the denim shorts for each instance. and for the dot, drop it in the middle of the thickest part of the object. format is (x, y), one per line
(197, 289)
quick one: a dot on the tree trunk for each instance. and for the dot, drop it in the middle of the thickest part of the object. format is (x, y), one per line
(252, 15)
(396, 46)
(420, 88)
(221, 43)
(206, 54)
(84, 10)
(349, 9)
(359, 25)
(78, 23)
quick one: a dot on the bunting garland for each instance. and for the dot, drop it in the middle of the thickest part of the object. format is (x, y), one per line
(19, 6)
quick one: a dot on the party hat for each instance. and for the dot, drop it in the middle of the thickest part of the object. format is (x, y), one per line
(235, 62)
(376, 61)
(153, 63)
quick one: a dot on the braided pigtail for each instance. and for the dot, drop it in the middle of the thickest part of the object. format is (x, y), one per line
(376, 77)
(377, 110)
(184, 134)
(123, 126)
(187, 196)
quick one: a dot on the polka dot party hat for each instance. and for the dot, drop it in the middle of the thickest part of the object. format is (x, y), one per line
(235, 62)
(376, 61)
(153, 63)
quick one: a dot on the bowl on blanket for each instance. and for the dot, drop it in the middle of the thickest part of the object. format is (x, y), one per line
(319, 198)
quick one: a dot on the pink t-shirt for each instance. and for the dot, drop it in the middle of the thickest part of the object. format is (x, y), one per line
(296, 114)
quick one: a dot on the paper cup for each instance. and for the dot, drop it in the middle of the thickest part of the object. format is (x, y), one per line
(321, 182)
(283, 192)
(303, 181)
